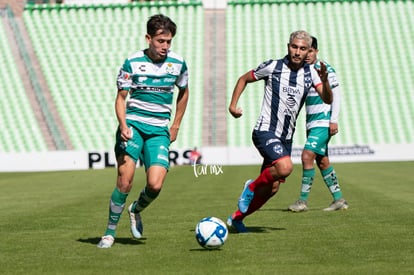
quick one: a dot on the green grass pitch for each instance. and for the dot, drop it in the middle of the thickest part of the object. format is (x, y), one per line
(51, 222)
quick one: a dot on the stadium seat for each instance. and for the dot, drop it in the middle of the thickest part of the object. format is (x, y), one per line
(20, 130)
(374, 109)
(81, 51)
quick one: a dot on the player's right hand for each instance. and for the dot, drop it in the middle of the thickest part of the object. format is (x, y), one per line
(323, 72)
(126, 133)
(236, 112)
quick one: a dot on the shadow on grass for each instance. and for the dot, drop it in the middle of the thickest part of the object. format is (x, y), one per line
(290, 211)
(257, 229)
(253, 229)
(204, 249)
(124, 241)
(276, 209)
(263, 229)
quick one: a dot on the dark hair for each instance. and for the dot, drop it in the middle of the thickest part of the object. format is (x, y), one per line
(160, 22)
(314, 43)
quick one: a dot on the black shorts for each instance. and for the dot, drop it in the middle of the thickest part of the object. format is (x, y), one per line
(271, 147)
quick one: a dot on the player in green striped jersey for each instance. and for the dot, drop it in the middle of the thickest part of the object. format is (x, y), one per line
(321, 125)
(143, 106)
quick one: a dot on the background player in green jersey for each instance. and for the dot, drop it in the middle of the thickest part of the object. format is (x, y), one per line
(149, 78)
(321, 124)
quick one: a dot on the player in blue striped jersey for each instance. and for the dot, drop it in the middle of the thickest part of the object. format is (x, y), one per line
(143, 106)
(287, 83)
(321, 124)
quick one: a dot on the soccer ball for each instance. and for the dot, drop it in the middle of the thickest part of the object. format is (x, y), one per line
(211, 233)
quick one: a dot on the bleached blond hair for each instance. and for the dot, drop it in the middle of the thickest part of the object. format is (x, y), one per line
(302, 35)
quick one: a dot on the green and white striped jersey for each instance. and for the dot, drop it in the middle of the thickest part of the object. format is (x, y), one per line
(318, 113)
(151, 86)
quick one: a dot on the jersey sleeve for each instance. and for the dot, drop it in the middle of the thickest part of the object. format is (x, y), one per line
(336, 104)
(336, 93)
(263, 70)
(124, 78)
(182, 80)
(333, 80)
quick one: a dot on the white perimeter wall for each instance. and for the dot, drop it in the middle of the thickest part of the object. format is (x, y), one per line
(74, 160)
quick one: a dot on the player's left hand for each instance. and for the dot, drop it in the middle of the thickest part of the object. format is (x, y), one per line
(333, 128)
(173, 134)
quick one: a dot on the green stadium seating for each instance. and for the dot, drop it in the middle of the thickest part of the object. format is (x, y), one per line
(81, 50)
(20, 131)
(367, 42)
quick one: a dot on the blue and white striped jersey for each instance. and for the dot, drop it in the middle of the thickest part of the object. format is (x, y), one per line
(284, 95)
(151, 86)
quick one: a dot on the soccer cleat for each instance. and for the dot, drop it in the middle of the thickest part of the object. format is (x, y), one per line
(236, 226)
(106, 241)
(246, 197)
(299, 206)
(136, 223)
(340, 204)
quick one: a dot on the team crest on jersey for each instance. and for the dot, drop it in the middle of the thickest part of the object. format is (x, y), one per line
(124, 75)
(278, 149)
(308, 80)
(169, 68)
